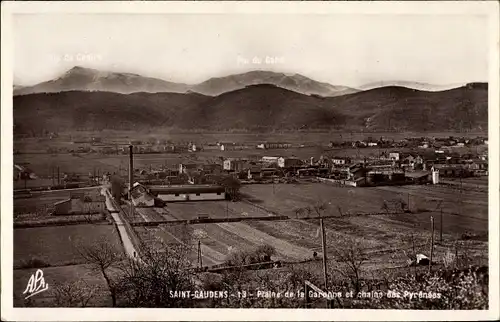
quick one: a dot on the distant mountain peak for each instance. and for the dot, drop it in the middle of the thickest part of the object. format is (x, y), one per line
(293, 82)
(81, 70)
(81, 78)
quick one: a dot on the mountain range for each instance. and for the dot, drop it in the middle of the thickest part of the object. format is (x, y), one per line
(87, 79)
(261, 107)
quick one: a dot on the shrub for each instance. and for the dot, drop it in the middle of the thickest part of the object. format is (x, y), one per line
(261, 254)
(34, 263)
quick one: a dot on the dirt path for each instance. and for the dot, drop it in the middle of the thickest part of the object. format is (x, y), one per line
(258, 237)
(213, 256)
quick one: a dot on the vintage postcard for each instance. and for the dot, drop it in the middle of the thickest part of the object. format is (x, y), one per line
(214, 160)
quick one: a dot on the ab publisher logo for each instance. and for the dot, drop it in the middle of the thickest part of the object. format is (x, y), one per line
(36, 284)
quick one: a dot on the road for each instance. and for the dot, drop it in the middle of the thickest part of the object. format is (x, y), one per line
(126, 240)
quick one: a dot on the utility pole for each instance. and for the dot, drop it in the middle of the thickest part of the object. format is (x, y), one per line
(441, 226)
(53, 175)
(131, 179)
(432, 243)
(323, 244)
(200, 260)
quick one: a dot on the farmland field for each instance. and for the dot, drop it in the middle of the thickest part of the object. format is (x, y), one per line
(40, 201)
(382, 235)
(57, 245)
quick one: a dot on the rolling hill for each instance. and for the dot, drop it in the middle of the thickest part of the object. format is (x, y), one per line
(87, 79)
(98, 110)
(402, 109)
(412, 85)
(257, 107)
(262, 106)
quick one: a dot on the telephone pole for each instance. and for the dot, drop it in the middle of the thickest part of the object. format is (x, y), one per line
(131, 179)
(323, 244)
(432, 243)
(441, 226)
(200, 260)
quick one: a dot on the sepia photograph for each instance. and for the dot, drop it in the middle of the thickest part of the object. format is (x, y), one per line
(231, 156)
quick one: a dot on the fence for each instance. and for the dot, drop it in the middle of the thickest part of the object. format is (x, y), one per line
(338, 182)
(207, 220)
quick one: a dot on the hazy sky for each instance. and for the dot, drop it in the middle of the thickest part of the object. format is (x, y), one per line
(340, 49)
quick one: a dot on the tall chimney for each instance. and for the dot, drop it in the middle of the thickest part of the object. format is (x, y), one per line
(130, 172)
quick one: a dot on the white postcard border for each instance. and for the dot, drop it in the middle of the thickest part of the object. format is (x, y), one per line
(490, 8)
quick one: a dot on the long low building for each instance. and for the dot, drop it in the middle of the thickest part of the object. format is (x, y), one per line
(189, 192)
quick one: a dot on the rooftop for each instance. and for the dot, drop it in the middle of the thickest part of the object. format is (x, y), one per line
(187, 189)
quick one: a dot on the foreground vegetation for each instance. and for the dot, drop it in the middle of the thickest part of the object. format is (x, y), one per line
(162, 277)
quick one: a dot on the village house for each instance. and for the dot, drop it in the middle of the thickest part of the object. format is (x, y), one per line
(340, 161)
(79, 203)
(412, 161)
(188, 192)
(269, 160)
(233, 165)
(477, 167)
(453, 170)
(253, 172)
(419, 177)
(274, 146)
(289, 162)
(394, 156)
(141, 197)
(212, 168)
(184, 168)
(192, 147)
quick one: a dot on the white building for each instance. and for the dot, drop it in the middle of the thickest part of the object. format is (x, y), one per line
(289, 162)
(435, 176)
(233, 165)
(189, 192)
(394, 156)
(141, 197)
(270, 159)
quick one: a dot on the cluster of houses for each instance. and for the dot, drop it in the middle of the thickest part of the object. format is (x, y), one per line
(162, 146)
(95, 145)
(390, 167)
(421, 142)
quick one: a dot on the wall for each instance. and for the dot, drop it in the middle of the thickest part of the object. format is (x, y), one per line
(63, 208)
(341, 182)
(76, 205)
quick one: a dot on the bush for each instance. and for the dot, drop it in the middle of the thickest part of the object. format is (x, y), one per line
(34, 263)
(464, 290)
(261, 254)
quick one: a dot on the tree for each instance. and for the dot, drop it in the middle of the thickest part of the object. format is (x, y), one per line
(102, 256)
(349, 258)
(117, 186)
(232, 186)
(73, 294)
(151, 281)
(299, 212)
